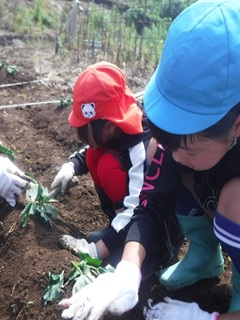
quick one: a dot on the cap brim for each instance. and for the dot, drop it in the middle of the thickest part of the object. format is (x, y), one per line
(128, 117)
(130, 121)
(171, 118)
(76, 122)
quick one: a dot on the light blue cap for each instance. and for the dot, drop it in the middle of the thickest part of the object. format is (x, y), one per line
(198, 79)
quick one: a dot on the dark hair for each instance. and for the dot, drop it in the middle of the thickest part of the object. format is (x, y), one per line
(219, 131)
(97, 128)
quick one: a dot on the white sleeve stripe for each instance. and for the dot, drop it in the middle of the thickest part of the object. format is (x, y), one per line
(136, 177)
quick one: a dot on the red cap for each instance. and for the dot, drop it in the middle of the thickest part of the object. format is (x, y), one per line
(100, 92)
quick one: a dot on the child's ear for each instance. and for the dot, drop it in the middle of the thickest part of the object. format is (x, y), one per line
(236, 128)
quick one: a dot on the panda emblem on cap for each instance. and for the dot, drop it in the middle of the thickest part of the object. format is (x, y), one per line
(88, 110)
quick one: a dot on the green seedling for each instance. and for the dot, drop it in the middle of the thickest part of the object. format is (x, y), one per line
(38, 205)
(86, 270)
(64, 103)
(83, 273)
(12, 70)
(9, 69)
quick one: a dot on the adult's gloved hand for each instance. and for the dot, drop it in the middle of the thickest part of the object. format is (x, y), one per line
(63, 177)
(175, 309)
(12, 181)
(115, 292)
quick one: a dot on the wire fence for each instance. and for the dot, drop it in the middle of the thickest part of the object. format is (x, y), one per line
(112, 30)
(134, 35)
(90, 32)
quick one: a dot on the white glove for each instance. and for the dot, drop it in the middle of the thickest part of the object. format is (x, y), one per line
(63, 177)
(115, 292)
(175, 310)
(12, 181)
(77, 246)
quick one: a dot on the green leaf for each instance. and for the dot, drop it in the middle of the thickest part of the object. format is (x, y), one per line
(42, 215)
(87, 266)
(76, 270)
(52, 212)
(84, 272)
(74, 274)
(12, 70)
(25, 214)
(64, 103)
(37, 192)
(7, 151)
(38, 196)
(89, 260)
(32, 192)
(32, 209)
(54, 287)
(82, 281)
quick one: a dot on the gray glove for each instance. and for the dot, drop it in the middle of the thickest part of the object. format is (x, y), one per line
(12, 181)
(77, 246)
(63, 177)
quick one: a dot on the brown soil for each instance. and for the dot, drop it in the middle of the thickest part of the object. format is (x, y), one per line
(42, 141)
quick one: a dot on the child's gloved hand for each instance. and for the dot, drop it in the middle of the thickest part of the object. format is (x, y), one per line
(8, 165)
(77, 246)
(175, 310)
(63, 177)
(115, 292)
(12, 181)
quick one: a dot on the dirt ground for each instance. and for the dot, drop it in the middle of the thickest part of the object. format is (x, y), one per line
(42, 141)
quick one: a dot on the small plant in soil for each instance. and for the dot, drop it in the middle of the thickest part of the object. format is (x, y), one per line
(38, 205)
(10, 70)
(83, 272)
(64, 103)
